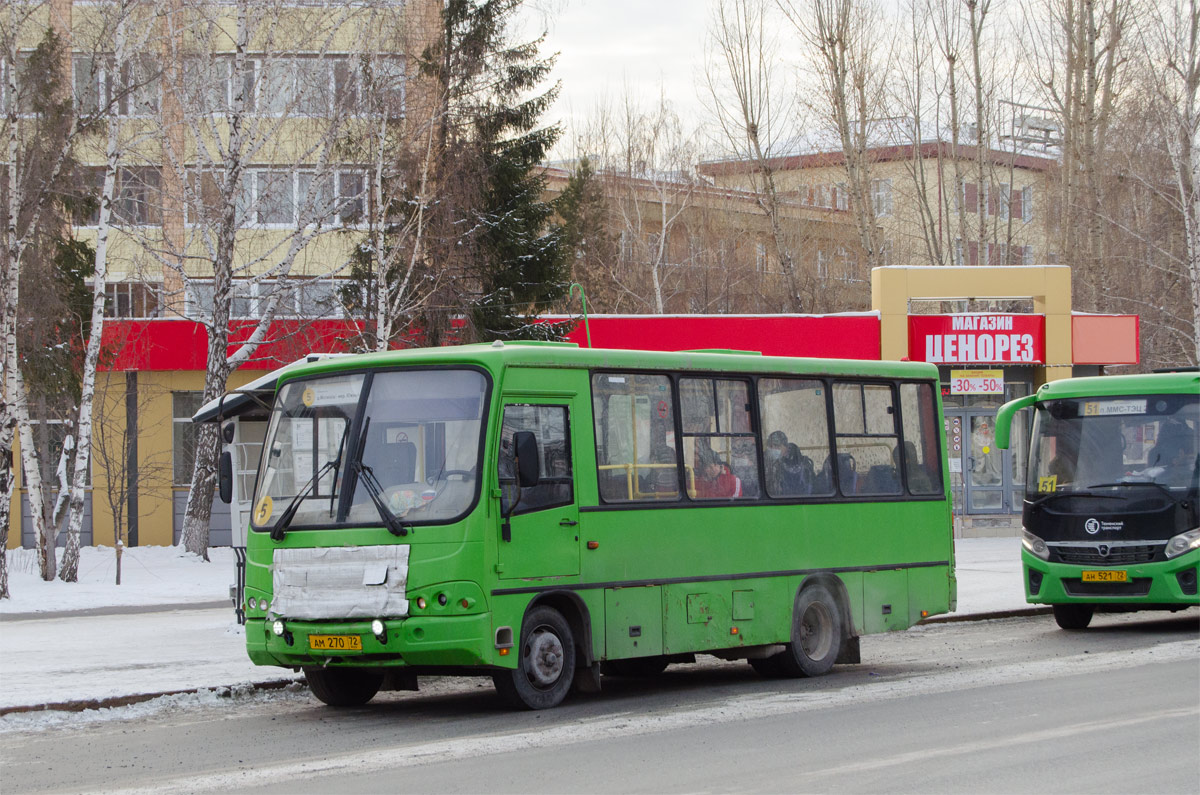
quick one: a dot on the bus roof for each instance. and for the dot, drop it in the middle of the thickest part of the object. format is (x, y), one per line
(1141, 384)
(568, 355)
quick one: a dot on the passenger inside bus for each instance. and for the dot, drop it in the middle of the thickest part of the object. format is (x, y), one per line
(790, 473)
(714, 480)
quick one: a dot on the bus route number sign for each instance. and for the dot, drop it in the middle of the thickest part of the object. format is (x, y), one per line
(977, 382)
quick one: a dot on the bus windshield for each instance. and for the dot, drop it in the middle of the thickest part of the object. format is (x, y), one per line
(419, 437)
(1090, 445)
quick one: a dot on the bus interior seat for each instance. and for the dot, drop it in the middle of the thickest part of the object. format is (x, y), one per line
(882, 479)
(393, 462)
(847, 473)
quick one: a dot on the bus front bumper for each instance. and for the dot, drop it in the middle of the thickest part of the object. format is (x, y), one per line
(425, 641)
(1158, 583)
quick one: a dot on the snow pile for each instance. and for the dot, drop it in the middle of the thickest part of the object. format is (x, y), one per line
(149, 576)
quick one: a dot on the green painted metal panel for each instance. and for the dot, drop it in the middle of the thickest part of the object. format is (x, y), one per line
(885, 600)
(743, 605)
(633, 622)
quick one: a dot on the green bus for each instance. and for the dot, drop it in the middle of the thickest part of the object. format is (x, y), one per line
(534, 512)
(1111, 518)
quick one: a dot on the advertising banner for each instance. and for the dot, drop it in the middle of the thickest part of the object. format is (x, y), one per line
(977, 339)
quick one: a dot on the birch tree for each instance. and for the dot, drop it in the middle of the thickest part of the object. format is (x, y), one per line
(850, 59)
(132, 30)
(1170, 33)
(391, 274)
(238, 112)
(39, 132)
(753, 113)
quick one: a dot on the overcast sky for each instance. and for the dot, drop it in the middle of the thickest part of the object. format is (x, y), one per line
(605, 45)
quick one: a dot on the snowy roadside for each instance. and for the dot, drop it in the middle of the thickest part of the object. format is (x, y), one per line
(60, 659)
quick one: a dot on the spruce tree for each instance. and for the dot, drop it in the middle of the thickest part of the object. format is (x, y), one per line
(493, 148)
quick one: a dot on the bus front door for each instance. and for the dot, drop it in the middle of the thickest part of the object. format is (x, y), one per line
(542, 538)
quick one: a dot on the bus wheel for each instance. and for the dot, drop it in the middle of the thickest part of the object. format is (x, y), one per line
(344, 687)
(546, 664)
(816, 634)
(1073, 616)
(638, 666)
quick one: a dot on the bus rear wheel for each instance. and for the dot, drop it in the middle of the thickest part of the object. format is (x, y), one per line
(1073, 616)
(545, 665)
(343, 687)
(816, 635)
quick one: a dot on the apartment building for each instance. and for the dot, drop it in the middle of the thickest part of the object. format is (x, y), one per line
(930, 203)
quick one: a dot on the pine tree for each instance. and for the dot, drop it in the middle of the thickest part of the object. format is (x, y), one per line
(492, 149)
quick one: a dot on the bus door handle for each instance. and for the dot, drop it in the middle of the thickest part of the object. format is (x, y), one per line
(567, 523)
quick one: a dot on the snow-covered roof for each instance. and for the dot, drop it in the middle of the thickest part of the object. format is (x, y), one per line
(238, 401)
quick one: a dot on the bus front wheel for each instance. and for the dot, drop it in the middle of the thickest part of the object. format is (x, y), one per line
(1073, 616)
(816, 635)
(343, 687)
(546, 664)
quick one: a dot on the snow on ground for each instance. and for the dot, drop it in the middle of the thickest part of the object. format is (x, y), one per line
(149, 576)
(60, 658)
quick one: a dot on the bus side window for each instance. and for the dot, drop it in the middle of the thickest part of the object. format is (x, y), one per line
(921, 465)
(556, 485)
(796, 430)
(867, 440)
(635, 437)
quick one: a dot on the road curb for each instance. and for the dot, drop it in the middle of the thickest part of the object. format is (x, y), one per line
(954, 618)
(80, 705)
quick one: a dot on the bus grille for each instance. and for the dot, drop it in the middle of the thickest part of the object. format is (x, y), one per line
(1137, 587)
(1090, 556)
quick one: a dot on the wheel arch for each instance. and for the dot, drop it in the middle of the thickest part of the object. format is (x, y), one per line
(572, 608)
(837, 588)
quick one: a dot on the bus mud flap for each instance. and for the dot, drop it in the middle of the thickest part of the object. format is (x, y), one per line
(849, 653)
(587, 680)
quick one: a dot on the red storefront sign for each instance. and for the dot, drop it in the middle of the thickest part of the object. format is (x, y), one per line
(977, 339)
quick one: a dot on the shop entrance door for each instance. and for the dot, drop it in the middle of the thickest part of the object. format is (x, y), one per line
(982, 475)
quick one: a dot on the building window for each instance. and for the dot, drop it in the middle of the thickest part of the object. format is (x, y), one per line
(1027, 255)
(841, 198)
(626, 246)
(881, 196)
(132, 299)
(308, 298)
(1003, 200)
(885, 253)
(183, 449)
(292, 198)
(138, 200)
(822, 264)
(1027, 203)
(760, 257)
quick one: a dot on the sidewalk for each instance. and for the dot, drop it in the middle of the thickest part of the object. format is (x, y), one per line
(160, 633)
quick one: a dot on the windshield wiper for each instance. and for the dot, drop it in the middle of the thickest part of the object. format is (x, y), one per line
(279, 529)
(395, 525)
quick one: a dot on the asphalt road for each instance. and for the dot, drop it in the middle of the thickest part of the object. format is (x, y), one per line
(996, 706)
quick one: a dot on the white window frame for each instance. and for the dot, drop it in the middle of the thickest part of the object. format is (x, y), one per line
(881, 196)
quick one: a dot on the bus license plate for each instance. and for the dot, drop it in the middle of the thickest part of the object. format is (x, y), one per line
(1106, 576)
(335, 642)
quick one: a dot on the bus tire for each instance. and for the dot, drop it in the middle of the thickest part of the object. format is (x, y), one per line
(816, 634)
(1073, 616)
(637, 667)
(344, 687)
(545, 664)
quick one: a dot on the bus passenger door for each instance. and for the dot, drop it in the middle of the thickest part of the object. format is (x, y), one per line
(543, 534)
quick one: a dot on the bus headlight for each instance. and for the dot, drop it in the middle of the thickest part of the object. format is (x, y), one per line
(1184, 542)
(1036, 546)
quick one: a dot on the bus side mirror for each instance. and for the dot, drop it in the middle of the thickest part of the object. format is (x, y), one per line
(528, 469)
(225, 477)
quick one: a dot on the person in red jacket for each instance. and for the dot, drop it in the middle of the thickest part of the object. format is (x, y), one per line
(714, 480)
